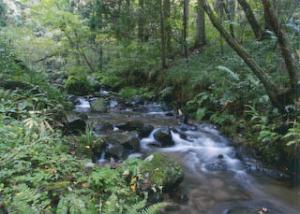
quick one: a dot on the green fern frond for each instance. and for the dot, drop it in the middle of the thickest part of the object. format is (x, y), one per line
(154, 209)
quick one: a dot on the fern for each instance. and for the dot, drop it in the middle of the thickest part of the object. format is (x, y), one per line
(154, 209)
(73, 204)
(293, 135)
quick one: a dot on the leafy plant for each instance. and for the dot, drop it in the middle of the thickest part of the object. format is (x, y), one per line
(293, 135)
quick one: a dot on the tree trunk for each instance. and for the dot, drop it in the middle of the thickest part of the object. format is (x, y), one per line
(218, 6)
(185, 26)
(167, 19)
(200, 31)
(141, 21)
(269, 86)
(229, 15)
(251, 19)
(128, 23)
(290, 57)
(162, 35)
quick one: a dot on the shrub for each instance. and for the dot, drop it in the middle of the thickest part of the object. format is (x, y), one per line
(78, 83)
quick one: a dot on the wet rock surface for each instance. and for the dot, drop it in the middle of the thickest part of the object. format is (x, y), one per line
(99, 105)
(164, 137)
(75, 123)
(215, 178)
(159, 171)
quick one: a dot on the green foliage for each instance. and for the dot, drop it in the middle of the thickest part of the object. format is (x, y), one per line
(2, 14)
(129, 92)
(37, 172)
(267, 139)
(74, 204)
(78, 83)
(161, 171)
(223, 119)
(153, 209)
(293, 135)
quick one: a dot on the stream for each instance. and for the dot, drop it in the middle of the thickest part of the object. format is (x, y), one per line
(217, 178)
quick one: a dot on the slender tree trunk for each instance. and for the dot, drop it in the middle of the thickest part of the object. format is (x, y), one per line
(289, 55)
(141, 21)
(98, 27)
(185, 26)
(128, 27)
(251, 19)
(163, 35)
(229, 16)
(200, 30)
(270, 87)
(218, 6)
(79, 50)
(167, 13)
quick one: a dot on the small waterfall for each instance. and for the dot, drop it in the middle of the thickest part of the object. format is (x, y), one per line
(83, 105)
(201, 148)
(113, 103)
(102, 159)
(147, 142)
(214, 174)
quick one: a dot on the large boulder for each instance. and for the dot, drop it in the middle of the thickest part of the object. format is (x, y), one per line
(164, 137)
(137, 125)
(102, 128)
(115, 150)
(160, 172)
(129, 140)
(99, 105)
(146, 131)
(116, 145)
(74, 123)
(112, 149)
(132, 125)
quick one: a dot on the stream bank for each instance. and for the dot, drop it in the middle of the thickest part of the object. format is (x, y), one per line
(217, 177)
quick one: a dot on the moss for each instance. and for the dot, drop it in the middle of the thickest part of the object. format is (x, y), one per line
(161, 171)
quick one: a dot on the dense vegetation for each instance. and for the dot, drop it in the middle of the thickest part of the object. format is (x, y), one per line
(221, 65)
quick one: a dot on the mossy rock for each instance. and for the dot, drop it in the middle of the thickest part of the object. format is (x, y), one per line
(99, 105)
(164, 137)
(74, 123)
(160, 171)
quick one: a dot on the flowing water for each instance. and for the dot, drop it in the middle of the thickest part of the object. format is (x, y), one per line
(216, 180)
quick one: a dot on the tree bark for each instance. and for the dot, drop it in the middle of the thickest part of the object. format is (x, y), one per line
(229, 16)
(185, 26)
(163, 35)
(200, 30)
(251, 19)
(167, 19)
(141, 21)
(269, 86)
(290, 57)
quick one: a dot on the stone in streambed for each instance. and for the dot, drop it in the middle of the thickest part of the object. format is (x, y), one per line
(102, 128)
(164, 137)
(74, 123)
(133, 125)
(115, 150)
(129, 140)
(99, 105)
(160, 172)
(242, 210)
(143, 130)
(146, 131)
